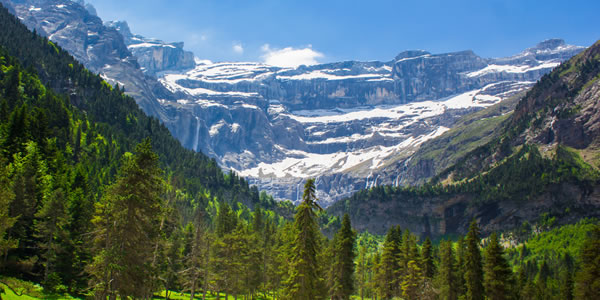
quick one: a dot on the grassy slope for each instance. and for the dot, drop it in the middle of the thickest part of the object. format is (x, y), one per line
(470, 132)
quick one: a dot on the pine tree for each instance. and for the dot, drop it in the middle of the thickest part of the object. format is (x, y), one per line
(497, 272)
(386, 270)
(446, 277)
(50, 229)
(587, 284)
(305, 280)
(128, 220)
(428, 265)
(566, 284)
(342, 266)
(413, 279)
(226, 220)
(473, 268)
(362, 270)
(6, 221)
(461, 250)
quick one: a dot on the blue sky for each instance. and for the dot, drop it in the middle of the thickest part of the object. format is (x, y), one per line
(325, 31)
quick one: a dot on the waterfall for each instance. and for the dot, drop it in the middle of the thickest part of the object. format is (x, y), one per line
(197, 139)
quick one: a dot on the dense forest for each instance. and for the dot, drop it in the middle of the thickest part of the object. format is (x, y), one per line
(97, 200)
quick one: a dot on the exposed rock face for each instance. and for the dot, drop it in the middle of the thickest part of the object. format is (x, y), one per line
(440, 216)
(343, 122)
(154, 55)
(99, 48)
(562, 109)
(339, 122)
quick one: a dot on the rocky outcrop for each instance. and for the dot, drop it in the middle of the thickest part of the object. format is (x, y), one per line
(154, 55)
(101, 49)
(450, 215)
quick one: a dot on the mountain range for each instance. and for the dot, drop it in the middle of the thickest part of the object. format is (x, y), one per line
(351, 125)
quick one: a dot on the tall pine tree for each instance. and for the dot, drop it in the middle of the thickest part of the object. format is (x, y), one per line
(128, 220)
(446, 277)
(342, 267)
(473, 269)
(305, 281)
(497, 272)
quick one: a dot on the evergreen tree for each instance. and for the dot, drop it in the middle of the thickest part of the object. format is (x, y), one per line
(412, 283)
(342, 266)
(566, 284)
(226, 220)
(362, 270)
(50, 229)
(427, 259)
(497, 272)
(587, 284)
(473, 269)
(305, 280)
(446, 277)
(386, 274)
(128, 221)
(6, 221)
(461, 255)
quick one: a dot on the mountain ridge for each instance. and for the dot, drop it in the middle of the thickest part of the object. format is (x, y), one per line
(541, 159)
(291, 124)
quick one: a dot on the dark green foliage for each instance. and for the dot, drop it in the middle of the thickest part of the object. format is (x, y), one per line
(127, 221)
(6, 222)
(427, 262)
(305, 280)
(390, 265)
(498, 275)
(447, 275)
(473, 268)
(587, 285)
(342, 265)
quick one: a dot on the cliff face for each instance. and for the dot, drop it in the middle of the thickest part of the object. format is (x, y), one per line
(451, 215)
(154, 55)
(347, 122)
(491, 180)
(77, 29)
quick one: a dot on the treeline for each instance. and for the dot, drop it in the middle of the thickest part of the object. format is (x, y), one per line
(475, 268)
(521, 176)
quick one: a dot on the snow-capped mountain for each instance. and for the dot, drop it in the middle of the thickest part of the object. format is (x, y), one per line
(339, 122)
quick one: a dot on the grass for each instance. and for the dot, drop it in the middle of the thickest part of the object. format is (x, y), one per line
(24, 290)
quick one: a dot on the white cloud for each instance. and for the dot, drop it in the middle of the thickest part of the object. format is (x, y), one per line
(238, 48)
(290, 57)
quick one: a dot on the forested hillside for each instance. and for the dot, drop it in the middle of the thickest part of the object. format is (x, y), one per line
(67, 139)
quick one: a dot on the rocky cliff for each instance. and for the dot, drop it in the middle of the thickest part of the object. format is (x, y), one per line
(74, 26)
(154, 55)
(541, 159)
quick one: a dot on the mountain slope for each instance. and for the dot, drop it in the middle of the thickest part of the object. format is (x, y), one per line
(543, 158)
(77, 29)
(345, 123)
(119, 119)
